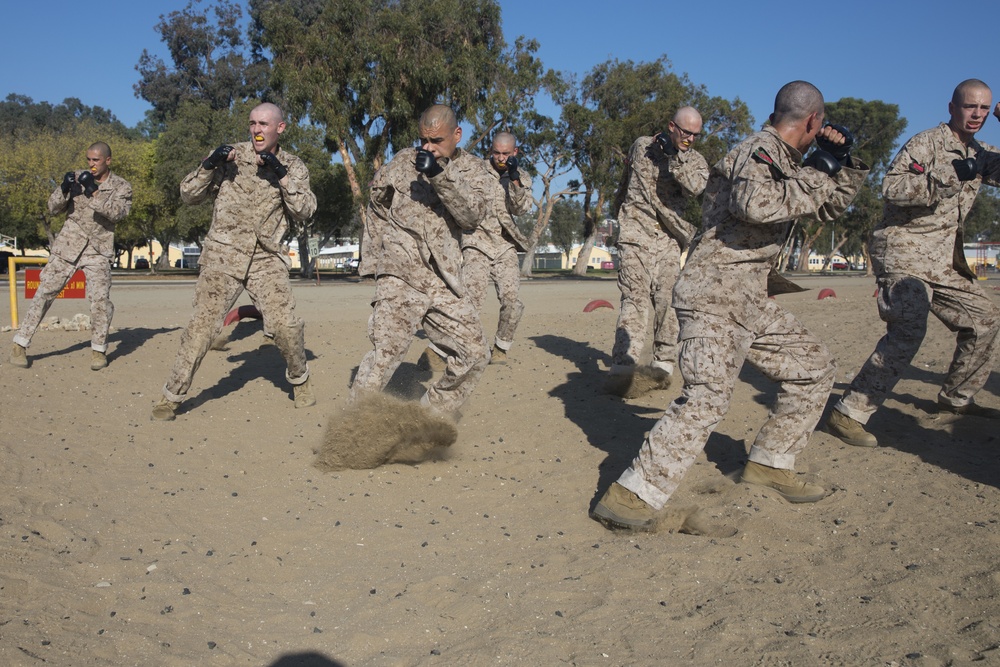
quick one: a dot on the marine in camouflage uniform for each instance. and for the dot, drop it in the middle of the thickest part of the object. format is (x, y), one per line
(420, 203)
(489, 252)
(258, 188)
(919, 261)
(86, 241)
(753, 196)
(664, 172)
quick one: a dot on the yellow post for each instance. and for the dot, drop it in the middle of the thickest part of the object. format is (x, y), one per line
(12, 263)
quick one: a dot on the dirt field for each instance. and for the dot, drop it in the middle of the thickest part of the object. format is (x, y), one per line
(212, 540)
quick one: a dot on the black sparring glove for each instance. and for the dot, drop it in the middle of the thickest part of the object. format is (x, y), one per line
(426, 163)
(512, 169)
(823, 161)
(966, 169)
(840, 152)
(69, 180)
(86, 179)
(666, 145)
(272, 163)
(218, 156)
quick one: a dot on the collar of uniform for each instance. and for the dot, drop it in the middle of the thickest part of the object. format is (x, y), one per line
(794, 153)
(443, 161)
(952, 144)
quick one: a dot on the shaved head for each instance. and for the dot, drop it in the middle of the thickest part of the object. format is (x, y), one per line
(687, 117)
(272, 111)
(796, 101)
(439, 114)
(101, 148)
(504, 140)
(968, 86)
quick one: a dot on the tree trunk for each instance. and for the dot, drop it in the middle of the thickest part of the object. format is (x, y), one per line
(589, 238)
(544, 213)
(807, 244)
(529, 259)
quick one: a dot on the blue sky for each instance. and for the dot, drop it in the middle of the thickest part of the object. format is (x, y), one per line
(911, 54)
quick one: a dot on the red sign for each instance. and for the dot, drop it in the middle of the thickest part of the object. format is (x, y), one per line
(76, 288)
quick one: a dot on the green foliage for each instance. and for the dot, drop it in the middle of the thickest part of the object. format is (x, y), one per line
(983, 222)
(565, 224)
(211, 61)
(21, 117)
(510, 103)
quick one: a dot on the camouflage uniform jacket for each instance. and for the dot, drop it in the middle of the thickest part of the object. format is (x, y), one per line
(754, 194)
(413, 222)
(498, 233)
(91, 220)
(921, 232)
(252, 209)
(655, 197)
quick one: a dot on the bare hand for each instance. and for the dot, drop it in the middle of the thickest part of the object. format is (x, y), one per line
(831, 135)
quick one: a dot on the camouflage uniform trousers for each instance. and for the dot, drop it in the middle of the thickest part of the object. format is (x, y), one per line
(55, 275)
(712, 351)
(903, 304)
(450, 322)
(214, 296)
(478, 271)
(646, 279)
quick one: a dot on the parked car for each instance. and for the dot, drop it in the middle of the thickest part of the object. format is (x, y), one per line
(183, 263)
(837, 265)
(4, 256)
(142, 263)
(352, 264)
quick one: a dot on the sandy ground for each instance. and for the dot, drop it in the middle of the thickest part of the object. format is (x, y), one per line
(212, 540)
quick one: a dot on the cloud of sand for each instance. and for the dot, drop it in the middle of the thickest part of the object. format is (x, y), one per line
(378, 429)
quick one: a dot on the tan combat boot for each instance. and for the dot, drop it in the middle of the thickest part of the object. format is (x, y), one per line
(18, 356)
(849, 430)
(785, 482)
(304, 396)
(98, 360)
(971, 409)
(431, 361)
(620, 508)
(498, 356)
(165, 410)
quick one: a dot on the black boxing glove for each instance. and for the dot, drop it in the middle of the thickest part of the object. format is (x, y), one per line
(69, 180)
(666, 145)
(86, 179)
(823, 161)
(271, 162)
(966, 169)
(427, 164)
(218, 156)
(840, 152)
(512, 169)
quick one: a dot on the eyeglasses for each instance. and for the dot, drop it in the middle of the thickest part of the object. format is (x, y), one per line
(685, 134)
